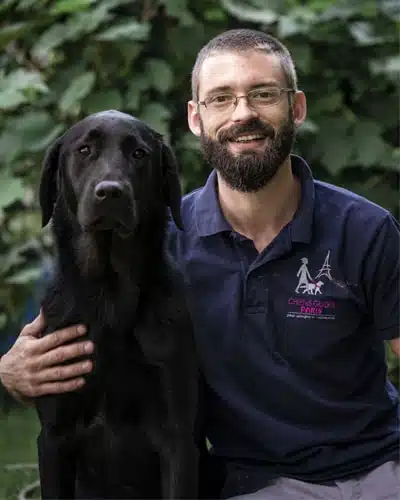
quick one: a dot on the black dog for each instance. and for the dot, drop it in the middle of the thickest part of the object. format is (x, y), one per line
(107, 183)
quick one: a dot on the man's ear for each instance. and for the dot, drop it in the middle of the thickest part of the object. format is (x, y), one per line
(193, 117)
(299, 108)
(48, 182)
(171, 187)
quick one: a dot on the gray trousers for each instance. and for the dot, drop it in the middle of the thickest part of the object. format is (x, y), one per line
(382, 483)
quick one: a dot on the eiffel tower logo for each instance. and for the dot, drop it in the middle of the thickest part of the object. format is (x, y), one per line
(325, 269)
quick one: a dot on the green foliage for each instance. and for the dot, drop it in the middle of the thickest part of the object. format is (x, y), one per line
(18, 457)
(62, 59)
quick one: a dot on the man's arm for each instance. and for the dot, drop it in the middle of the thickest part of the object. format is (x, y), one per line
(395, 345)
(33, 365)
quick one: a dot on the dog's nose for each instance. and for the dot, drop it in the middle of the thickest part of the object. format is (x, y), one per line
(108, 189)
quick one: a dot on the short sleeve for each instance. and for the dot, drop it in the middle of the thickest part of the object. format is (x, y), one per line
(382, 280)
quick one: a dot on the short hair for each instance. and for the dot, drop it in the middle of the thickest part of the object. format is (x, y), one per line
(241, 40)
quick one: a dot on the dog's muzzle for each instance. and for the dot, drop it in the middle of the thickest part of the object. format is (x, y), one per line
(110, 207)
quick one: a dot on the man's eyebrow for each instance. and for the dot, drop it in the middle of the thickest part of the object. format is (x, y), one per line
(228, 88)
(221, 88)
(269, 83)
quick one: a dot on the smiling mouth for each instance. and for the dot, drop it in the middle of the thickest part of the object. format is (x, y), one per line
(243, 139)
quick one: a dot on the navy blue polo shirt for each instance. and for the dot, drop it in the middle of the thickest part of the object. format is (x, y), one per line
(291, 339)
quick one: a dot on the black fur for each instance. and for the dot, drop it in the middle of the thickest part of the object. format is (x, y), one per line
(129, 432)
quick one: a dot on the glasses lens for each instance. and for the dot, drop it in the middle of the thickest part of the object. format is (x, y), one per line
(264, 97)
(220, 102)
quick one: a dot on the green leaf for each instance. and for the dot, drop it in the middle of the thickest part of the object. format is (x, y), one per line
(11, 98)
(50, 39)
(87, 22)
(11, 190)
(215, 15)
(368, 144)
(135, 90)
(106, 99)
(15, 86)
(125, 31)
(363, 33)
(337, 154)
(27, 5)
(308, 126)
(6, 5)
(179, 10)
(389, 66)
(160, 75)
(12, 32)
(251, 14)
(289, 26)
(44, 142)
(68, 6)
(110, 4)
(12, 259)
(302, 55)
(24, 276)
(333, 147)
(10, 147)
(328, 102)
(22, 79)
(341, 11)
(189, 141)
(391, 9)
(156, 116)
(79, 88)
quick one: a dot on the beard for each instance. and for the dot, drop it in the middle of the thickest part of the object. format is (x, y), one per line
(249, 171)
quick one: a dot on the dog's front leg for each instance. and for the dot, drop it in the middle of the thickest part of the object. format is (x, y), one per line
(179, 453)
(57, 445)
(56, 466)
(179, 465)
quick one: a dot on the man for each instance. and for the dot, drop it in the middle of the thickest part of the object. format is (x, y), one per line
(293, 288)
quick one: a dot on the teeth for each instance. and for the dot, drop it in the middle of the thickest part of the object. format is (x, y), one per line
(246, 138)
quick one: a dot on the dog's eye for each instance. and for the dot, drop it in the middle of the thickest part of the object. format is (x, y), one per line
(84, 150)
(138, 153)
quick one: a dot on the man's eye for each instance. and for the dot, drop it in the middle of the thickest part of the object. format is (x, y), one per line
(84, 150)
(221, 99)
(265, 95)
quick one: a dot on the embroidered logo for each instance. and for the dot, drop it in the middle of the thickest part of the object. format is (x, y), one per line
(311, 307)
(308, 284)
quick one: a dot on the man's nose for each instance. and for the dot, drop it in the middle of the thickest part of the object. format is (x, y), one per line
(107, 190)
(243, 111)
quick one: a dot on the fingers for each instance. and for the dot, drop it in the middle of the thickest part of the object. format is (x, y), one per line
(59, 355)
(59, 337)
(64, 373)
(58, 387)
(56, 379)
(35, 328)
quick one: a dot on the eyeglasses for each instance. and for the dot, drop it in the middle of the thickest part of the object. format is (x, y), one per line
(257, 98)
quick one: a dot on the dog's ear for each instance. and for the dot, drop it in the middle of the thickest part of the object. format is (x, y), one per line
(172, 187)
(48, 181)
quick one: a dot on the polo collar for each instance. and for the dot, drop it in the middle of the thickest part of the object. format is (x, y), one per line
(209, 217)
(210, 220)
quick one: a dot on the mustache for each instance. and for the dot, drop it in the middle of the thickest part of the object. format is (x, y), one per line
(253, 126)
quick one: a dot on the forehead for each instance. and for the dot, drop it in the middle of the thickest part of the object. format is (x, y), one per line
(240, 70)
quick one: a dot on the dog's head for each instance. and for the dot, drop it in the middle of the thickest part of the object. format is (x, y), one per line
(107, 167)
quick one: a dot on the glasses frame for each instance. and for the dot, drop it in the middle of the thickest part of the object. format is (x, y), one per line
(234, 103)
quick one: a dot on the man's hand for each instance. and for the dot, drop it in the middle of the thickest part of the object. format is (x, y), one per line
(33, 365)
(395, 345)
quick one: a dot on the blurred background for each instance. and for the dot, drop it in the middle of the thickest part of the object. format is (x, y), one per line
(63, 59)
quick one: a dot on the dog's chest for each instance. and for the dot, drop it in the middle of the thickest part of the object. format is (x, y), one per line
(123, 402)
